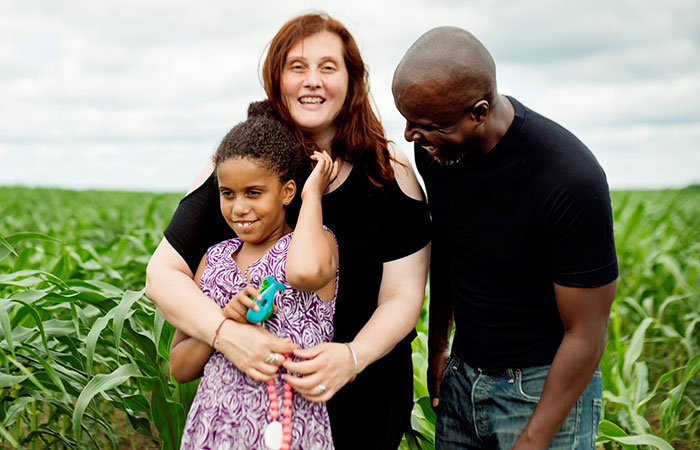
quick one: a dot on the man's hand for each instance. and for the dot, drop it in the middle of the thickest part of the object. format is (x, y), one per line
(436, 367)
(440, 318)
(584, 313)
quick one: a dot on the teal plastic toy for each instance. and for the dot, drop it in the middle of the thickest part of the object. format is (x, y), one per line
(268, 290)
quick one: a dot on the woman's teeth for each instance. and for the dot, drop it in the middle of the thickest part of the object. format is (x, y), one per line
(311, 100)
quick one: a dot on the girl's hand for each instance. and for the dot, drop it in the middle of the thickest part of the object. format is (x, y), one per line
(329, 365)
(238, 306)
(323, 174)
(250, 347)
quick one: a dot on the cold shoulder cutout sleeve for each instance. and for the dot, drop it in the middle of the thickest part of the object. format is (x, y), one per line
(406, 226)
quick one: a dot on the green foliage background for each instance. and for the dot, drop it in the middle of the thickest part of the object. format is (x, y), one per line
(84, 363)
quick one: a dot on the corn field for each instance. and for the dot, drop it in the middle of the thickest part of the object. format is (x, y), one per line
(84, 355)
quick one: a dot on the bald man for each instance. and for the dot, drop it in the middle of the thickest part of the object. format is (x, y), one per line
(523, 257)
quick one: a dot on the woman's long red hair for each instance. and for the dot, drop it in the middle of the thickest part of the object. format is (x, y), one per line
(359, 136)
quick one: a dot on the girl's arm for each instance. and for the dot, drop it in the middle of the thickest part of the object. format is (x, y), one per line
(312, 258)
(188, 356)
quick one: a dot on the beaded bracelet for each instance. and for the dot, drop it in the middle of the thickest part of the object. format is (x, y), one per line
(354, 359)
(216, 333)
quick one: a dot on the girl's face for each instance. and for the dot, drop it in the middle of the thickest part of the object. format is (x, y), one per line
(315, 83)
(252, 200)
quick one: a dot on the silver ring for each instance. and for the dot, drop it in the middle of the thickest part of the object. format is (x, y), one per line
(272, 358)
(320, 389)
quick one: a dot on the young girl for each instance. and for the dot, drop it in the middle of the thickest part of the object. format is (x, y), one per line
(256, 167)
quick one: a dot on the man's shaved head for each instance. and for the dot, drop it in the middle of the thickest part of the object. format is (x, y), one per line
(447, 63)
(445, 88)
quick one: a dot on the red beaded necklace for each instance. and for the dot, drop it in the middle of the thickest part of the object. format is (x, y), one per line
(278, 435)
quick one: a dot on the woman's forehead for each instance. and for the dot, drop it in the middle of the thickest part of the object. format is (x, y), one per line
(321, 44)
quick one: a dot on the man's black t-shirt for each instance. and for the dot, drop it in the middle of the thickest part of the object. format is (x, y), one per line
(532, 212)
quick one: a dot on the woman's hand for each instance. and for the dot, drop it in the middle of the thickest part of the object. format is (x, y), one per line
(323, 174)
(238, 306)
(327, 368)
(253, 349)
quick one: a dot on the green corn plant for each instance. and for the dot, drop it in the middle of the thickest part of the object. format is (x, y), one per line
(82, 349)
(75, 350)
(84, 356)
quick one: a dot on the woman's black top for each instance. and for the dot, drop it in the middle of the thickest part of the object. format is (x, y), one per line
(372, 226)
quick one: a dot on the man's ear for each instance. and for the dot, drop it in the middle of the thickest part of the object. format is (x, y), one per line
(480, 110)
(289, 190)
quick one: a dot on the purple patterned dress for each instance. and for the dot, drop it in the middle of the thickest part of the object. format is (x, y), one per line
(231, 410)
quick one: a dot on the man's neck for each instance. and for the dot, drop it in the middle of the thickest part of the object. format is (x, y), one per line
(499, 121)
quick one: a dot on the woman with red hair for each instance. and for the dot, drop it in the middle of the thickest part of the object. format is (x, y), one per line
(316, 83)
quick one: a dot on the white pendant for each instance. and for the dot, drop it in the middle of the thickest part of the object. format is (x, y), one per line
(273, 435)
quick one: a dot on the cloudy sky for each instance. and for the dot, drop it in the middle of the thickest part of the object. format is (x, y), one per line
(136, 94)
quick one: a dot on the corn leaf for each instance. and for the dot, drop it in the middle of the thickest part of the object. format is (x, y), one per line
(99, 384)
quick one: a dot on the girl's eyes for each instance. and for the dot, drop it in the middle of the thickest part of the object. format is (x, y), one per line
(251, 193)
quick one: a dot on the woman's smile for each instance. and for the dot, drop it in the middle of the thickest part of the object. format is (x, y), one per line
(315, 83)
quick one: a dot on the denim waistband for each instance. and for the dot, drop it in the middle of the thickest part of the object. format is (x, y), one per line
(507, 372)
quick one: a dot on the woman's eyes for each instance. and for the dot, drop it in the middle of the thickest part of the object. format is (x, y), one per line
(299, 67)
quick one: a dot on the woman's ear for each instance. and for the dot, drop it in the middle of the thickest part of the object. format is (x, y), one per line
(289, 190)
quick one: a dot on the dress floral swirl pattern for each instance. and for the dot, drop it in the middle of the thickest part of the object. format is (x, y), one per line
(231, 410)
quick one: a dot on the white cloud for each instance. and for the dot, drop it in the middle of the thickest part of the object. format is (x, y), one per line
(45, 155)
(150, 87)
(647, 155)
(102, 151)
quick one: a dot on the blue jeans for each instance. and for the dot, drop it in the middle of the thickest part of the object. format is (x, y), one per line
(489, 408)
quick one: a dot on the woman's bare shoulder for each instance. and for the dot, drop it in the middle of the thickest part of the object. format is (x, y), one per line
(405, 177)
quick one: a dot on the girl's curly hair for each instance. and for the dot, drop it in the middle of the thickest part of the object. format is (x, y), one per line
(263, 138)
